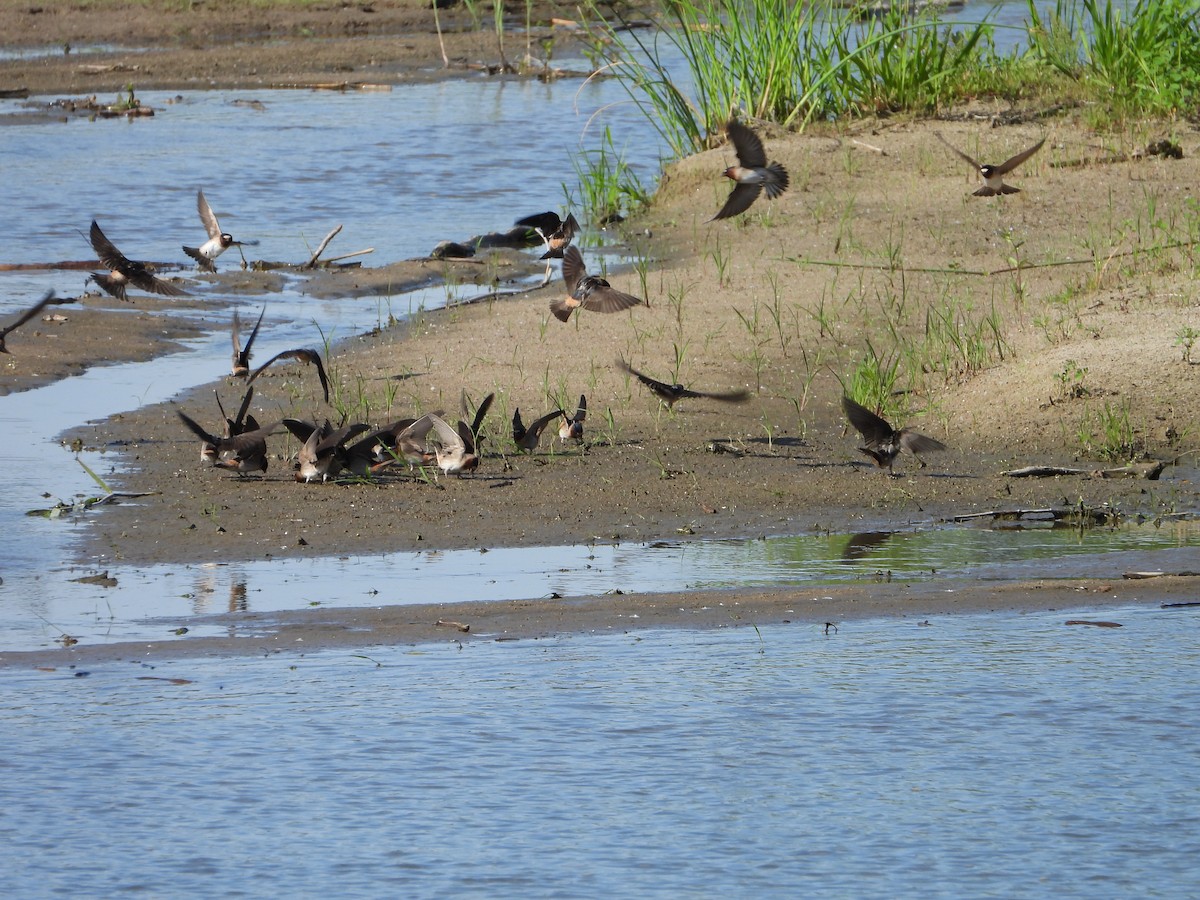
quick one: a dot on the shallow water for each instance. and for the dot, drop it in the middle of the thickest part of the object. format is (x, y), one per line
(979, 756)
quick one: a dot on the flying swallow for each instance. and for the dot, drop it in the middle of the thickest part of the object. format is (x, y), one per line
(241, 355)
(47, 299)
(249, 448)
(311, 357)
(588, 291)
(123, 270)
(670, 393)
(527, 438)
(555, 233)
(751, 174)
(218, 241)
(571, 428)
(884, 443)
(322, 455)
(993, 176)
(453, 450)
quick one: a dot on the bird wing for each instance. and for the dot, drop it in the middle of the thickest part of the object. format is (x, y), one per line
(726, 397)
(106, 249)
(303, 355)
(581, 411)
(874, 429)
(598, 295)
(919, 443)
(241, 416)
(46, 300)
(197, 429)
(480, 412)
(573, 270)
(211, 225)
(747, 145)
(245, 354)
(446, 436)
(740, 199)
(974, 163)
(237, 342)
(148, 282)
(1012, 162)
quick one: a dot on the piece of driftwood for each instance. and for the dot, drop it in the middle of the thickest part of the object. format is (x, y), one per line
(1139, 575)
(457, 626)
(312, 260)
(1097, 515)
(1149, 471)
(1094, 622)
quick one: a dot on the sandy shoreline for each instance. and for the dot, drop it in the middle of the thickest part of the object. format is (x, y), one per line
(315, 630)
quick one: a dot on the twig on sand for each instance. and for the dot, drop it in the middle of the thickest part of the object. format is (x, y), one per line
(312, 262)
(1149, 471)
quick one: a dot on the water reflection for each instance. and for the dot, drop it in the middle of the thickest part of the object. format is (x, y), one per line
(149, 602)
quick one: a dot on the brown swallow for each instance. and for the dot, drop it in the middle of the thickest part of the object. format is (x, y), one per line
(527, 438)
(311, 357)
(241, 355)
(384, 447)
(123, 271)
(571, 428)
(218, 241)
(671, 393)
(752, 173)
(555, 233)
(322, 456)
(993, 176)
(233, 427)
(588, 291)
(453, 450)
(249, 449)
(884, 443)
(47, 299)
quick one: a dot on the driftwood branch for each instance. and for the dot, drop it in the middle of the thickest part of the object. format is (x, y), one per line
(1139, 575)
(1149, 471)
(312, 262)
(1099, 514)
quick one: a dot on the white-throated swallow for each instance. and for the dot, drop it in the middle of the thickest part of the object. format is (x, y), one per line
(752, 175)
(993, 176)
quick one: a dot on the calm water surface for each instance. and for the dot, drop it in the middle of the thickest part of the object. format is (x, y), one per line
(977, 756)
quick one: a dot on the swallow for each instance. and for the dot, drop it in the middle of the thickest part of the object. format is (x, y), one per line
(123, 271)
(218, 241)
(385, 446)
(555, 233)
(527, 438)
(311, 357)
(241, 356)
(571, 428)
(884, 443)
(47, 299)
(249, 448)
(233, 427)
(751, 174)
(588, 291)
(993, 176)
(322, 455)
(453, 450)
(671, 393)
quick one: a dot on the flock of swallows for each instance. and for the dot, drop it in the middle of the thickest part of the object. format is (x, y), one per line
(326, 451)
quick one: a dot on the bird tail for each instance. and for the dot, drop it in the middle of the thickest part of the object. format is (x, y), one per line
(777, 182)
(561, 309)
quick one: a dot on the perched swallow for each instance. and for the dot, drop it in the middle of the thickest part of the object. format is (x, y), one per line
(47, 299)
(388, 445)
(453, 450)
(218, 241)
(571, 428)
(249, 448)
(233, 427)
(588, 291)
(670, 393)
(751, 174)
(311, 357)
(555, 233)
(241, 356)
(477, 421)
(124, 271)
(884, 443)
(527, 438)
(993, 176)
(322, 456)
